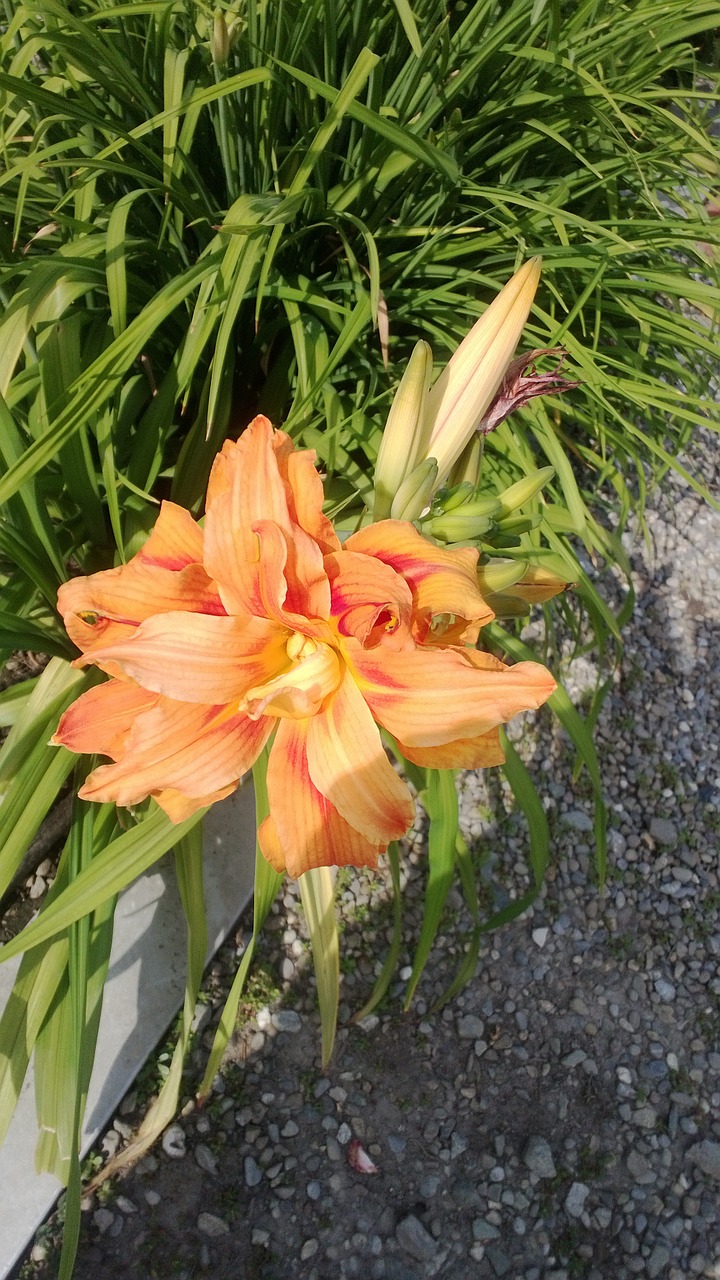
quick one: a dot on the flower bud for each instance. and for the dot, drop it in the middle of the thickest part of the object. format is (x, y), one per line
(400, 445)
(460, 396)
(522, 491)
(220, 39)
(415, 492)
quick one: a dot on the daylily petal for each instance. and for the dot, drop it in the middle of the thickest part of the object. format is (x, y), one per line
(129, 594)
(194, 657)
(308, 828)
(246, 497)
(304, 491)
(270, 847)
(175, 541)
(435, 696)
(442, 580)
(348, 765)
(101, 719)
(186, 747)
(300, 690)
(369, 597)
(464, 753)
(179, 807)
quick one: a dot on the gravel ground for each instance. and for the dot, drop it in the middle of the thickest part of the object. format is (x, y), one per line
(562, 1117)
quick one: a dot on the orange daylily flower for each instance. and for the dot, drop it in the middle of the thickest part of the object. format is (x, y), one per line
(262, 622)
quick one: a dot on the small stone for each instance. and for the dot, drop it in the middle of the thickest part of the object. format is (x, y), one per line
(575, 1199)
(538, 1157)
(152, 1198)
(212, 1226)
(290, 1129)
(253, 1172)
(103, 1220)
(470, 1027)
(658, 1260)
(125, 1205)
(640, 1169)
(498, 1260)
(287, 1020)
(344, 1134)
(415, 1240)
(369, 1023)
(645, 1117)
(260, 1237)
(706, 1156)
(540, 936)
(173, 1142)
(578, 820)
(397, 1144)
(458, 1145)
(574, 1059)
(308, 1250)
(663, 831)
(313, 1190)
(483, 1230)
(665, 990)
(205, 1158)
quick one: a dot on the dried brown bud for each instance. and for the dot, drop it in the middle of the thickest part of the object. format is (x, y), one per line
(517, 387)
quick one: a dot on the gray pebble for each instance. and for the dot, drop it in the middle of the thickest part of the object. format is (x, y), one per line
(575, 1199)
(538, 1157)
(211, 1225)
(174, 1142)
(412, 1236)
(287, 1020)
(253, 1172)
(706, 1156)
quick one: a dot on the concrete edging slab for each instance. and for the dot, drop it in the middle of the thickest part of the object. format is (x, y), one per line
(144, 991)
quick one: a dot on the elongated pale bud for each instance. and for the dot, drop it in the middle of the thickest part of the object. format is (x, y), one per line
(497, 575)
(220, 39)
(400, 446)
(415, 492)
(467, 385)
(522, 491)
(467, 467)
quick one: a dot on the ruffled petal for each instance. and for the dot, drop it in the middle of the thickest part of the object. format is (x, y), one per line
(101, 719)
(103, 607)
(431, 697)
(308, 830)
(370, 601)
(179, 807)
(175, 541)
(348, 765)
(441, 580)
(304, 491)
(464, 753)
(196, 750)
(194, 657)
(246, 498)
